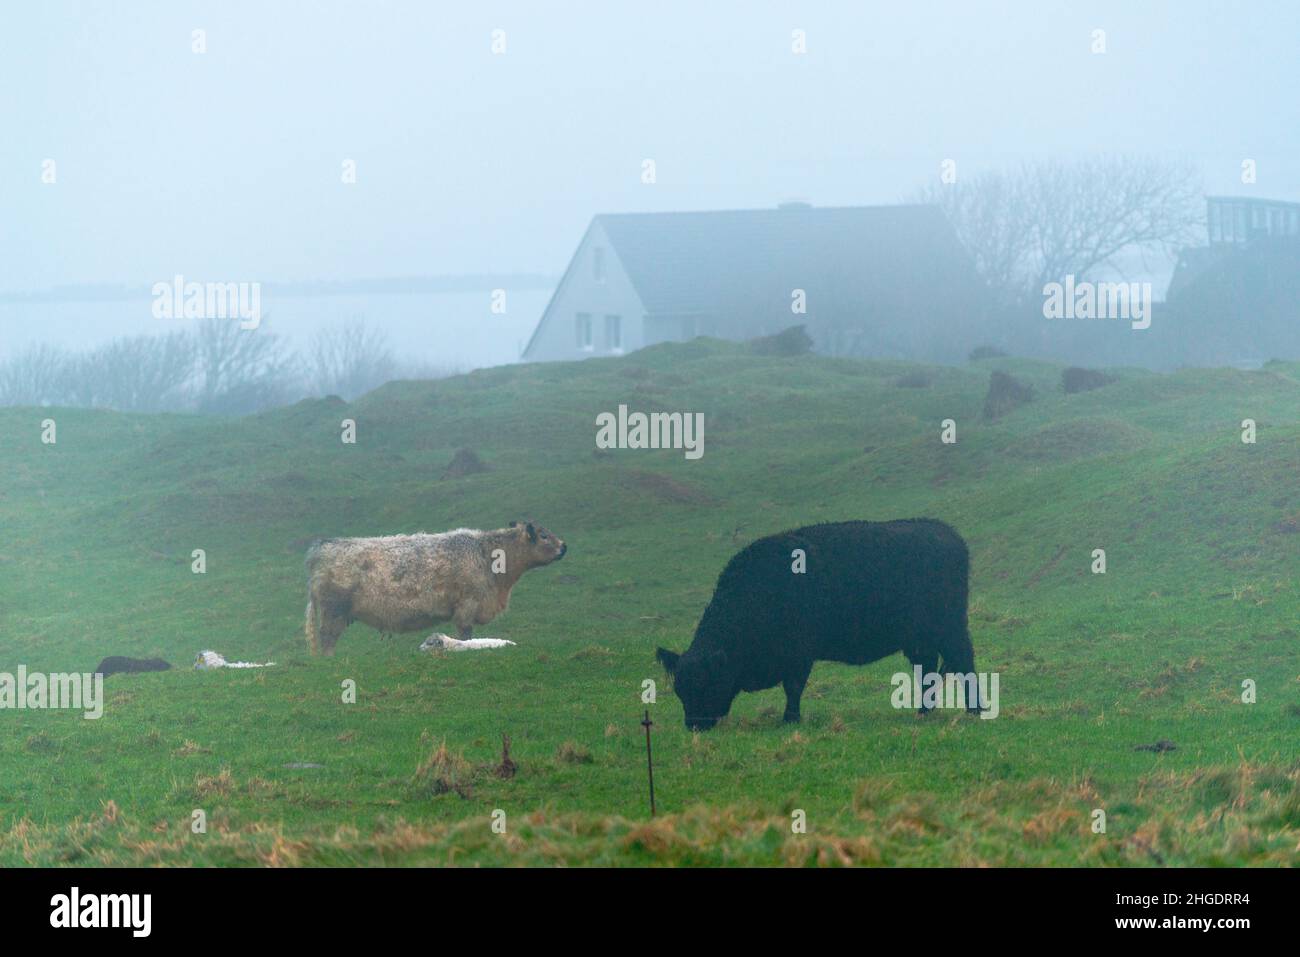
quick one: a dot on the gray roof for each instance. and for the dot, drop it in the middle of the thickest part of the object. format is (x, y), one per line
(851, 259)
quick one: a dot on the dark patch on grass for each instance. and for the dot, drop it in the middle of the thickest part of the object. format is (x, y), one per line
(662, 488)
(1006, 393)
(1081, 438)
(1076, 379)
(793, 341)
(919, 379)
(465, 462)
(570, 752)
(1048, 566)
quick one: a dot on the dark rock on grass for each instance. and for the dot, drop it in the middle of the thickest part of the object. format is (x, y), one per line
(1005, 394)
(985, 352)
(914, 380)
(116, 664)
(465, 462)
(794, 341)
(1076, 379)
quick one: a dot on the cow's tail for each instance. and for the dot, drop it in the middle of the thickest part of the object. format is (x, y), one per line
(312, 627)
(312, 623)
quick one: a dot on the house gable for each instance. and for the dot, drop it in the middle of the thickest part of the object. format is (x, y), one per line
(595, 285)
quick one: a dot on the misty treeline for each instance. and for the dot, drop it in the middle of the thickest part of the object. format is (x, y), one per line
(1039, 222)
(214, 368)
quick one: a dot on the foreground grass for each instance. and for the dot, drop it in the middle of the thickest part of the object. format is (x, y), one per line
(1200, 533)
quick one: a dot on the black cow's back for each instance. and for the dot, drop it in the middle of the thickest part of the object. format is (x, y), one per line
(869, 589)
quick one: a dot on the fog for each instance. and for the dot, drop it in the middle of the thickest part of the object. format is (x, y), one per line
(227, 165)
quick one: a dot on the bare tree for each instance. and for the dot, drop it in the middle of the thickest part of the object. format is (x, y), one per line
(238, 371)
(349, 360)
(215, 368)
(40, 375)
(1036, 224)
(136, 374)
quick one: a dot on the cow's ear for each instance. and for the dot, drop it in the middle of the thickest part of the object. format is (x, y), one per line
(668, 659)
(532, 532)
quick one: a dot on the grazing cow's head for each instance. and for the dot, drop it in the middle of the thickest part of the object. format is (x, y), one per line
(539, 543)
(702, 683)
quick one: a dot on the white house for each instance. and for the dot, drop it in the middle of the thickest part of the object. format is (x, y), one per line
(883, 281)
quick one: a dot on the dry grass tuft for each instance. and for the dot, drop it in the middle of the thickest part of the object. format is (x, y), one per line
(189, 748)
(570, 752)
(217, 785)
(444, 771)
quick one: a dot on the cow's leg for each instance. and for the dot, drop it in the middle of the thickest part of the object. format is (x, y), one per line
(793, 683)
(331, 627)
(929, 662)
(463, 618)
(959, 659)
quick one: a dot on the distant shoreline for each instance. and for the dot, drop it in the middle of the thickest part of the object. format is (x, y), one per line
(399, 285)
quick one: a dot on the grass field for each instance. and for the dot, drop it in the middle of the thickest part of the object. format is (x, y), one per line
(1202, 540)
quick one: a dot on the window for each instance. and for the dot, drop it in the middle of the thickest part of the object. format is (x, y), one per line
(614, 333)
(598, 263)
(1215, 235)
(582, 326)
(1241, 223)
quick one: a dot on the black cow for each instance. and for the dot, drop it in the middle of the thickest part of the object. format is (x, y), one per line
(869, 589)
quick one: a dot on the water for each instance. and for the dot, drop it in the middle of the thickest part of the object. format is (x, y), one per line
(454, 330)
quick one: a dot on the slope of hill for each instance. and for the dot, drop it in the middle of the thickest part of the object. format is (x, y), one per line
(1199, 529)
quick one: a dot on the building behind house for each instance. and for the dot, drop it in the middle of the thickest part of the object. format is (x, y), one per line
(1236, 300)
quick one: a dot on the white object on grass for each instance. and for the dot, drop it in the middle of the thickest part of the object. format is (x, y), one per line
(208, 660)
(447, 643)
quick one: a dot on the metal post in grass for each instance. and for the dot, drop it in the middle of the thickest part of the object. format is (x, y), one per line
(649, 760)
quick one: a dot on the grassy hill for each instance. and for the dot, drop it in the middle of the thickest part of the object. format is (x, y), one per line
(1201, 532)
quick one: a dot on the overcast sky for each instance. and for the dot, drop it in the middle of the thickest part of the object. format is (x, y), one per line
(227, 165)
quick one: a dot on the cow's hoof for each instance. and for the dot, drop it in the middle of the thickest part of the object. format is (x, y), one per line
(790, 718)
